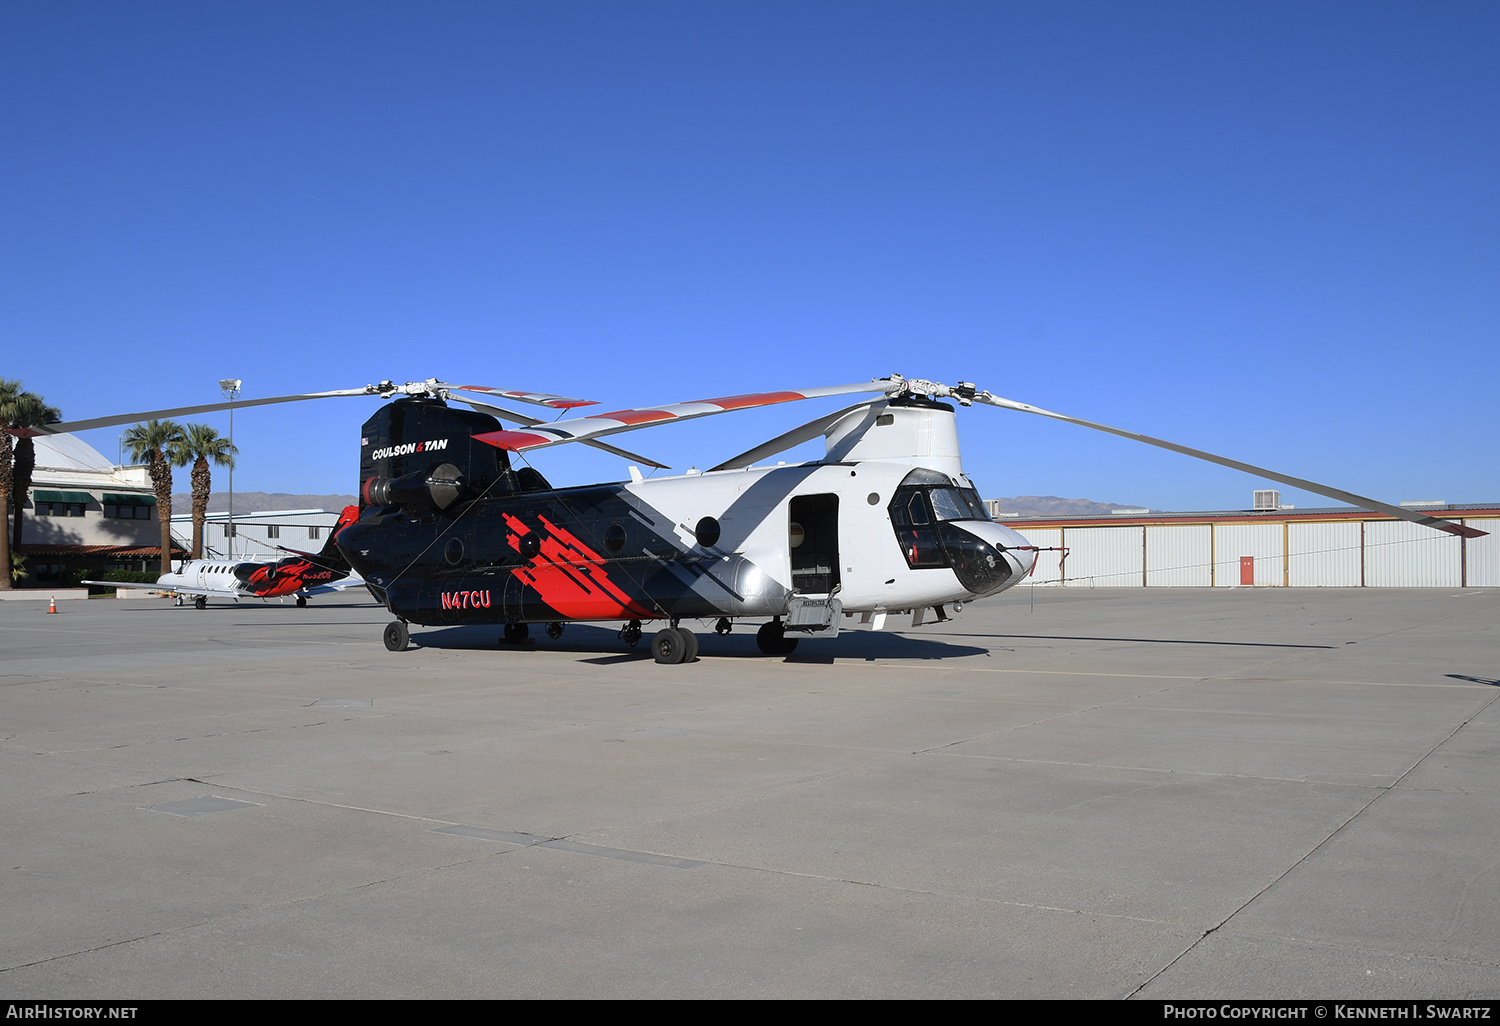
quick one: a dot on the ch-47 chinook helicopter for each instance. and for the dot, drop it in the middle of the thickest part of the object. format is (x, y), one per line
(450, 532)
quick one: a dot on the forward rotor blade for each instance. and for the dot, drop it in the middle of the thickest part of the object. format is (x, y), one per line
(73, 426)
(806, 433)
(540, 436)
(1362, 501)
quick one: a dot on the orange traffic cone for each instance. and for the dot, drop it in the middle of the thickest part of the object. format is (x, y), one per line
(52, 606)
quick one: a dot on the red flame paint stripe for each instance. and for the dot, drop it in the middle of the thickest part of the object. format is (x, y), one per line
(740, 402)
(635, 416)
(515, 441)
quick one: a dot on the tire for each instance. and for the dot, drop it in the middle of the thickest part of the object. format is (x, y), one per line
(668, 646)
(772, 639)
(689, 644)
(396, 636)
(200, 602)
(301, 601)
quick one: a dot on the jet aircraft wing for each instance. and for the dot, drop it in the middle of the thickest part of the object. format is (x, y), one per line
(165, 589)
(352, 581)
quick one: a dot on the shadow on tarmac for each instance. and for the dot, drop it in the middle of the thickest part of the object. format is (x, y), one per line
(1475, 680)
(604, 642)
(1152, 641)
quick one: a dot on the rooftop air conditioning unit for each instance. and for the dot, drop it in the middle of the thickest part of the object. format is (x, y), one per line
(1268, 498)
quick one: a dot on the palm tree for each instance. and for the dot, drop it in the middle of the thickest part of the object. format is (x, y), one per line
(202, 444)
(10, 392)
(155, 443)
(31, 411)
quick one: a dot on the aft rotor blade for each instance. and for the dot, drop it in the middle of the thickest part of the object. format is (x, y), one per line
(1331, 492)
(625, 453)
(554, 402)
(526, 421)
(186, 411)
(540, 436)
(806, 433)
(498, 412)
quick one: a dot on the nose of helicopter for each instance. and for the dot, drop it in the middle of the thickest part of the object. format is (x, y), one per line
(987, 556)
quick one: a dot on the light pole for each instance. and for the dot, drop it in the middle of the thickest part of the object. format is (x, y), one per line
(231, 389)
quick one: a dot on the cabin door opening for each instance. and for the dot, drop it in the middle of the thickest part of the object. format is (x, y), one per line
(814, 537)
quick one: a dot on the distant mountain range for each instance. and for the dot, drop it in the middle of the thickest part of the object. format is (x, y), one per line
(1052, 506)
(255, 502)
(264, 502)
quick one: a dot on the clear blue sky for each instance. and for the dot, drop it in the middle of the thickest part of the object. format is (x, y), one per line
(1268, 230)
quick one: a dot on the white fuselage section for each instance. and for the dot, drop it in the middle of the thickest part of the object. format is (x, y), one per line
(205, 577)
(754, 510)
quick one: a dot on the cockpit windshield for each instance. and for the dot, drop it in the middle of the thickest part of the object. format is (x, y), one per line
(957, 504)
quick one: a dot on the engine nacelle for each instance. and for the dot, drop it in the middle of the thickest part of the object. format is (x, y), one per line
(421, 454)
(434, 489)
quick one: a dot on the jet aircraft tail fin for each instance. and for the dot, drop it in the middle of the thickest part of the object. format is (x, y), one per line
(329, 555)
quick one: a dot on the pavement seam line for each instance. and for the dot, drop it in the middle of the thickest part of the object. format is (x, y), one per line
(1317, 847)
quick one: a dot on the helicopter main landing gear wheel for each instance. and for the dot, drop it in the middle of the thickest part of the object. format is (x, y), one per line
(201, 602)
(396, 636)
(674, 645)
(772, 639)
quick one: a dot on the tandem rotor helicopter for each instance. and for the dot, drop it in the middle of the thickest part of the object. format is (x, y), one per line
(886, 523)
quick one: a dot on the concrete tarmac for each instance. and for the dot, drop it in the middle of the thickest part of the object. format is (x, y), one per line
(1174, 793)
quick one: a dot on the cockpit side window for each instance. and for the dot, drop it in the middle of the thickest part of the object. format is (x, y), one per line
(912, 522)
(916, 509)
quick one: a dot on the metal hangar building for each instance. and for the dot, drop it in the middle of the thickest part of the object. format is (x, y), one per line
(1273, 547)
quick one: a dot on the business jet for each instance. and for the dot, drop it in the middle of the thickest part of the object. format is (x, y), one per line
(300, 575)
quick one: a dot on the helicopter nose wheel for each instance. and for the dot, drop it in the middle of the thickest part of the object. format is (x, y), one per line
(674, 645)
(396, 636)
(772, 639)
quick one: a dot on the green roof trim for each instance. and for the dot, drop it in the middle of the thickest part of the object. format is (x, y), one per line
(129, 499)
(41, 496)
